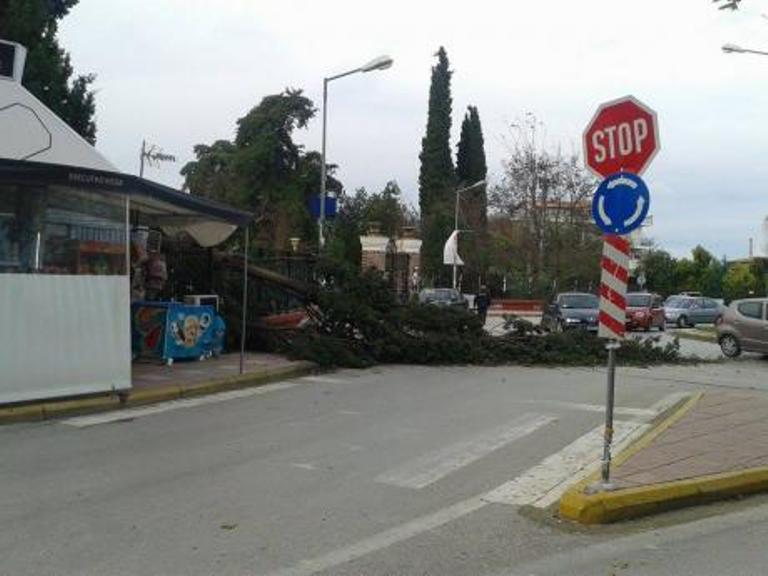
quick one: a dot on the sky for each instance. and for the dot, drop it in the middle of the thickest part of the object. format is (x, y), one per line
(181, 72)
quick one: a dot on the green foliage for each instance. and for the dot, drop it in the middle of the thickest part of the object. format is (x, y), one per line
(660, 272)
(48, 73)
(361, 325)
(437, 179)
(470, 155)
(470, 168)
(263, 170)
(667, 275)
(743, 280)
(356, 212)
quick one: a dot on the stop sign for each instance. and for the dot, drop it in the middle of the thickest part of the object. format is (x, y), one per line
(622, 135)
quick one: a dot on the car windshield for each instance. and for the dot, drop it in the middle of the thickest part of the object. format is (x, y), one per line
(638, 300)
(578, 301)
(678, 302)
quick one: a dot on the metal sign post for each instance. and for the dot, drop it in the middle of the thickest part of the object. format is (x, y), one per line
(612, 346)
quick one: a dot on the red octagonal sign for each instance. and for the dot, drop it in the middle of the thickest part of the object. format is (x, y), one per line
(622, 135)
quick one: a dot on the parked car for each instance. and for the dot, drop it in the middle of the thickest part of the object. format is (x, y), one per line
(645, 311)
(443, 297)
(743, 327)
(688, 311)
(571, 310)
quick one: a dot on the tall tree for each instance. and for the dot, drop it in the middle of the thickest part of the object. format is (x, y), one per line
(470, 168)
(437, 179)
(264, 170)
(48, 73)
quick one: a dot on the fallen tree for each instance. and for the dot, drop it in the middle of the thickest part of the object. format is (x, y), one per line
(358, 324)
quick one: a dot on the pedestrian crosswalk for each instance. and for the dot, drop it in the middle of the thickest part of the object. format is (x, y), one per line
(433, 466)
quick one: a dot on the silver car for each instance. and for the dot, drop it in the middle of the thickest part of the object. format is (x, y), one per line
(744, 327)
(689, 311)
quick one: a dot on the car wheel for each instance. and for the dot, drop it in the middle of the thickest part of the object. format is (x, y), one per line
(662, 327)
(730, 346)
(682, 322)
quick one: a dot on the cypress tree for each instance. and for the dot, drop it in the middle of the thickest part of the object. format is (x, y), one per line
(437, 179)
(470, 168)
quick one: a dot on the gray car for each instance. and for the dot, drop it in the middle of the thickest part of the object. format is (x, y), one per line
(744, 327)
(571, 310)
(689, 311)
(443, 297)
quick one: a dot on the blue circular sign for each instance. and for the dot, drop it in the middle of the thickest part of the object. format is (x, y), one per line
(621, 203)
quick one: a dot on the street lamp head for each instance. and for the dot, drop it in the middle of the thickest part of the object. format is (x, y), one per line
(729, 48)
(478, 184)
(380, 63)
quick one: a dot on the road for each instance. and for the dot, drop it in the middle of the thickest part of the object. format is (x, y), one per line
(394, 470)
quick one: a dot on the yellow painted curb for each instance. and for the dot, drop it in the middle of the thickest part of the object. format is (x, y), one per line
(609, 506)
(605, 507)
(26, 413)
(247, 380)
(57, 409)
(152, 395)
(79, 405)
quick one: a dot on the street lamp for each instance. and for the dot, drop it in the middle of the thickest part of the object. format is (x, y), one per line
(380, 63)
(477, 184)
(734, 49)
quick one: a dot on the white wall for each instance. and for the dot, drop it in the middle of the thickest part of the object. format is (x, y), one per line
(63, 335)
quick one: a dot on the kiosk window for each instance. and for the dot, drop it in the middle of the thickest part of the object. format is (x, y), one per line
(61, 230)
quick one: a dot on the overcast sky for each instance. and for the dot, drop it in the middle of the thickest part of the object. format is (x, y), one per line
(180, 72)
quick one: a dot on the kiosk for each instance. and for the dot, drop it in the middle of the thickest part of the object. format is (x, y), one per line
(65, 219)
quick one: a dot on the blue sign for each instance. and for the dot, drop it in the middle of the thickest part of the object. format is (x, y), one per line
(330, 206)
(621, 203)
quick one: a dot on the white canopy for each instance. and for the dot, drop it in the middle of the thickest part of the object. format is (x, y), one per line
(30, 131)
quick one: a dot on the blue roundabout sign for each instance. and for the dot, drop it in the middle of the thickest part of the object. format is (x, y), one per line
(621, 203)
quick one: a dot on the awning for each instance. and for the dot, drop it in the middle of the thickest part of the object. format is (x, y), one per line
(207, 221)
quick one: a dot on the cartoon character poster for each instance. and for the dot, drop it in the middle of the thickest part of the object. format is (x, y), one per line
(173, 330)
(188, 328)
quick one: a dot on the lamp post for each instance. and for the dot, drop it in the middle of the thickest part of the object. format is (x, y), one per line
(477, 184)
(734, 49)
(380, 63)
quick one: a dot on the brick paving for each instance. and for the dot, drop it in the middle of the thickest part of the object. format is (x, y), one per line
(723, 432)
(148, 374)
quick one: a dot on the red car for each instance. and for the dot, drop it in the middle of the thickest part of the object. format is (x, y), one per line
(645, 311)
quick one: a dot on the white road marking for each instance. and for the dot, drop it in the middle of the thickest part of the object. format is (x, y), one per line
(323, 380)
(618, 410)
(131, 413)
(304, 466)
(543, 484)
(431, 467)
(349, 412)
(382, 539)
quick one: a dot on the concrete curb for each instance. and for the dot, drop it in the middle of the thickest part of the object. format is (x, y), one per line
(612, 506)
(48, 410)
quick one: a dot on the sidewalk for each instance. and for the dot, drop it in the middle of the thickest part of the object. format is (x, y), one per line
(154, 382)
(713, 447)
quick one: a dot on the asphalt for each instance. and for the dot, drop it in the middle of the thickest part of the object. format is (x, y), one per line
(729, 542)
(323, 474)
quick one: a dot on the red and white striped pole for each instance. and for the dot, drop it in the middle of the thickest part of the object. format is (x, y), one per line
(612, 324)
